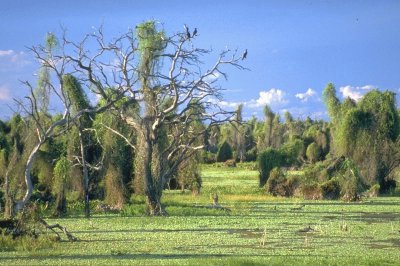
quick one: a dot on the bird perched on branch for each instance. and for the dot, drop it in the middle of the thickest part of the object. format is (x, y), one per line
(244, 55)
(194, 32)
(187, 31)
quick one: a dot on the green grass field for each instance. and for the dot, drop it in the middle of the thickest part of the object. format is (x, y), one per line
(259, 230)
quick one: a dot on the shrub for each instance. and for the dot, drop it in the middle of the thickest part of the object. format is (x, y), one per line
(279, 184)
(293, 186)
(276, 183)
(291, 151)
(313, 152)
(313, 174)
(350, 180)
(208, 157)
(224, 152)
(330, 189)
(251, 155)
(267, 160)
(231, 163)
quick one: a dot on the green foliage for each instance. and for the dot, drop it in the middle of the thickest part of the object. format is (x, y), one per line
(268, 160)
(224, 152)
(351, 182)
(313, 152)
(332, 103)
(188, 175)
(61, 176)
(276, 182)
(75, 93)
(366, 132)
(292, 151)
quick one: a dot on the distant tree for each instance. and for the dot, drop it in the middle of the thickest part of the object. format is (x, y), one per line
(268, 126)
(239, 135)
(224, 152)
(268, 160)
(313, 152)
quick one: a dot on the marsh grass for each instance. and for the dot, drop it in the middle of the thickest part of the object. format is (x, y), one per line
(260, 230)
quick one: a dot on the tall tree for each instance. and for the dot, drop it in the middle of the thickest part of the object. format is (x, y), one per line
(77, 99)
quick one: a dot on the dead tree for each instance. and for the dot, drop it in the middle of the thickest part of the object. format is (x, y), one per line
(161, 75)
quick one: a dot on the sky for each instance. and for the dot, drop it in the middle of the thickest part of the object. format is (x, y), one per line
(295, 48)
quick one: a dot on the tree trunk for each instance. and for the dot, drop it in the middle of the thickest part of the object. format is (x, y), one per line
(85, 175)
(9, 204)
(153, 195)
(19, 205)
(61, 204)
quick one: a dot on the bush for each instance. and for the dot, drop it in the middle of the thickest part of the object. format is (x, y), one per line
(268, 160)
(351, 182)
(293, 186)
(291, 151)
(313, 152)
(251, 155)
(315, 173)
(330, 189)
(279, 184)
(208, 157)
(224, 152)
(231, 163)
(276, 183)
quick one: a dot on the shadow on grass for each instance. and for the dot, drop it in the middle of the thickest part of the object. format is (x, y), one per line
(143, 256)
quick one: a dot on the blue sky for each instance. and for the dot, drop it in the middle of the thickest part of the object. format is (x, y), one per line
(294, 47)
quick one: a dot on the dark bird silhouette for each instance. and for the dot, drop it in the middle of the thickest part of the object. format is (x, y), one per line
(244, 55)
(306, 230)
(194, 32)
(187, 31)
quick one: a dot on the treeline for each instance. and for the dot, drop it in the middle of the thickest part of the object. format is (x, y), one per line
(357, 151)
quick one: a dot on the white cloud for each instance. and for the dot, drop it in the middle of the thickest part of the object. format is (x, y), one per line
(6, 52)
(229, 104)
(4, 93)
(306, 95)
(10, 58)
(354, 92)
(271, 97)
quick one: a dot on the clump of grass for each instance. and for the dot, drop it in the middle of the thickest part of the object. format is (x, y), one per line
(133, 210)
(263, 239)
(343, 226)
(26, 242)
